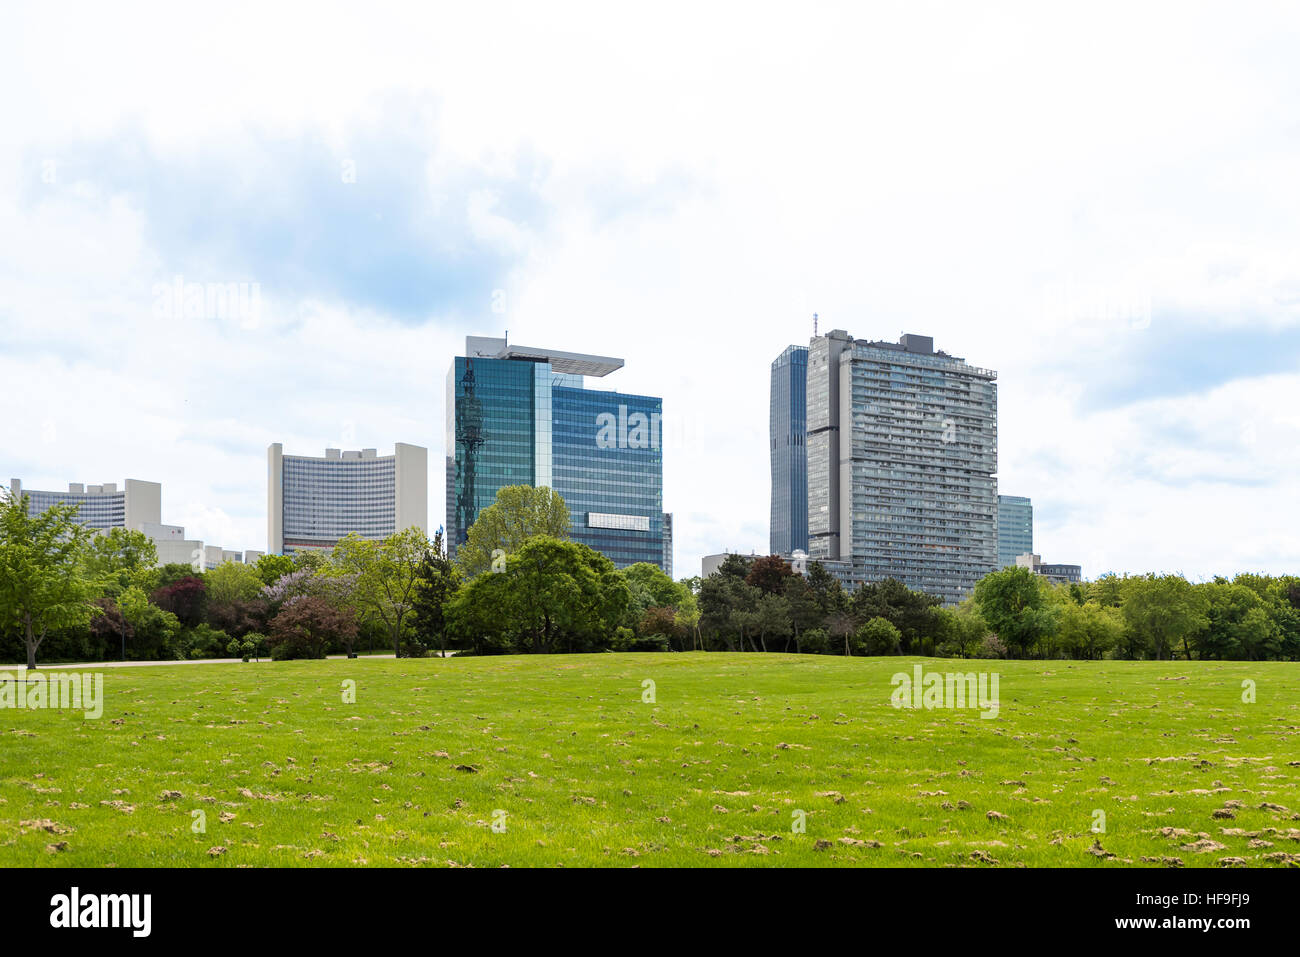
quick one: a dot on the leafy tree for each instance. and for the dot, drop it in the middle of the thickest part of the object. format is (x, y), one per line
(727, 605)
(386, 574)
(959, 631)
(184, 598)
(1090, 630)
(805, 612)
(1018, 606)
(564, 591)
(233, 581)
(735, 566)
(119, 558)
(650, 588)
(271, 568)
(519, 513)
(687, 618)
(826, 590)
(306, 627)
(1160, 610)
(1237, 623)
(842, 625)
(879, 636)
(772, 617)
(109, 626)
(153, 629)
(656, 630)
(171, 573)
(553, 596)
(235, 601)
(43, 585)
(769, 574)
(436, 583)
(480, 615)
(912, 613)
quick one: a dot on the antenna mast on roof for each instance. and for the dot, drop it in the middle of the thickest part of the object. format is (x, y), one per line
(814, 325)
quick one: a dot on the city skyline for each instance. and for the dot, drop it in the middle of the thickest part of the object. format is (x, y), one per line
(194, 270)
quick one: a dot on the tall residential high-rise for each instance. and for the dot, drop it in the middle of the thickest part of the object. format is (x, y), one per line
(902, 462)
(312, 502)
(787, 433)
(522, 416)
(1015, 528)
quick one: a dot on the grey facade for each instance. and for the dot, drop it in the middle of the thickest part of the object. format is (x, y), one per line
(902, 462)
(668, 544)
(100, 507)
(788, 431)
(1056, 574)
(1015, 528)
(313, 502)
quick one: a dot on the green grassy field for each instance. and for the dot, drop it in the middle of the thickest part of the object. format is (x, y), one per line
(416, 771)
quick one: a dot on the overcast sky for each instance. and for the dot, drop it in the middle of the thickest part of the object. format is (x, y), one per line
(1101, 202)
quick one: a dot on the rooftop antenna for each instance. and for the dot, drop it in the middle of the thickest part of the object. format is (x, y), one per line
(814, 325)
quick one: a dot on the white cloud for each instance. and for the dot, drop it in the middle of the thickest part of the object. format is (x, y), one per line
(1009, 178)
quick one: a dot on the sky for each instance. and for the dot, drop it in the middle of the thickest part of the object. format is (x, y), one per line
(1100, 201)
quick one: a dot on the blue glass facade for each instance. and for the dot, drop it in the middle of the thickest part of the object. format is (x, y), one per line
(608, 465)
(519, 422)
(788, 430)
(1015, 528)
(491, 430)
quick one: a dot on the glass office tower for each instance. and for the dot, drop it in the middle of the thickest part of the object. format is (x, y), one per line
(1015, 529)
(902, 462)
(787, 433)
(523, 416)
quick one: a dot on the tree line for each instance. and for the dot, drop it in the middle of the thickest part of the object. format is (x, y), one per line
(518, 585)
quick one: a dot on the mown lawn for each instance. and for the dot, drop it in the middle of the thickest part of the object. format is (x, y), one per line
(712, 773)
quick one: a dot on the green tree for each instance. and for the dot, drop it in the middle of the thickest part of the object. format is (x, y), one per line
(1018, 606)
(233, 582)
(386, 576)
(153, 630)
(1090, 630)
(650, 588)
(879, 636)
(687, 618)
(271, 568)
(119, 558)
(1238, 623)
(913, 613)
(43, 584)
(565, 592)
(1160, 610)
(772, 617)
(519, 513)
(436, 585)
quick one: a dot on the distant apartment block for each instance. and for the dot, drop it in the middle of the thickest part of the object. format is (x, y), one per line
(101, 507)
(787, 430)
(136, 507)
(312, 502)
(520, 415)
(1057, 574)
(1015, 528)
(902, 462)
